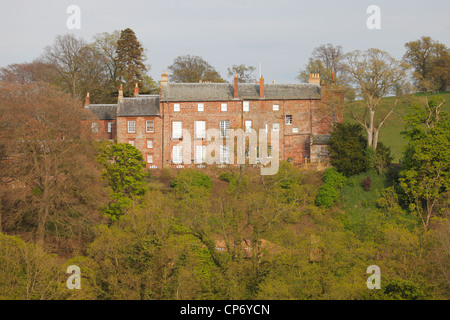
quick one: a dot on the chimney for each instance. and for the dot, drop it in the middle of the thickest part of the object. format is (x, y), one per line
(87, 100)
(236, 93)
(120, 94)
(164, 79)
(261, 87)
(136, 90)
(314, 78)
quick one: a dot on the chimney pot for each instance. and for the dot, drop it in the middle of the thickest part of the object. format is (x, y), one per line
(136, 90)
(261, 87)
(87, 100)
(236, 92)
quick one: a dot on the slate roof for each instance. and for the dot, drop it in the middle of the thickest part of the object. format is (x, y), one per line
(103, 111)
(246, 91)
(141, 106)
(320, 139)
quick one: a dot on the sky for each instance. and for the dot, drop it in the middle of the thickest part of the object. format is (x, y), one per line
(279, 35)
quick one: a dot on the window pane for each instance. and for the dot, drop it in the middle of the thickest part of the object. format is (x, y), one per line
(200, 154)
(177, 130)
(224, 128)
(276, 107)
(94, 127)
(131, 126)
(248, 126)
(276, 127)
(150, 158)
(149, 125)
(288, 119)
(246, 106)
(200, 129)
(223, 107)
(177, 154)
(149, 144)
(201, 107)
(176, 107)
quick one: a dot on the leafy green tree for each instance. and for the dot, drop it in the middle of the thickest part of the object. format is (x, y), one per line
(347, 149)
(425, 175)
(381, 158)
(130, 60)
(430, 60)
(192, 69)
(123, 170)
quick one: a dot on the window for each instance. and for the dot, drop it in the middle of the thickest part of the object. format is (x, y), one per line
(177, 154)
(201, 107)
(110, 125)
(176, 107)
(200, 129)
(276, 126)
(176, 130)
(149, 158)
(269, 151)
(149, 144)
(276, 107)
(131, 142)
(294, 130)
(200, 154)
(248, 126)
(288, 120)
(94, 127)
(131, 126)
(149, 127)
(246, 106)
(223, 107)
(224, 154)
(224, 128)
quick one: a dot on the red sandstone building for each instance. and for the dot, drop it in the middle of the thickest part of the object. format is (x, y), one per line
(154, 123)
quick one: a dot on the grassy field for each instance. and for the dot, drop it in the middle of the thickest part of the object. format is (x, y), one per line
(390, 133)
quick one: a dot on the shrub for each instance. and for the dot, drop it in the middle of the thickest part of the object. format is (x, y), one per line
(191, 178)
(329, 191)
(366, 183)
(381, 158)
(348, 149)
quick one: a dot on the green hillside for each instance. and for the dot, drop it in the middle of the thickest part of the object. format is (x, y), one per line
(390, 133)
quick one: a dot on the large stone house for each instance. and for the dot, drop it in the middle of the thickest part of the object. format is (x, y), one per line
(155, 124)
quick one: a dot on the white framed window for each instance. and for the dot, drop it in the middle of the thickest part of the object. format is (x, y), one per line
(200, 154)
(177, 130)
(294, 130)
(223, 107)
(176, 107)
(246, 106)
(149, 143)
(149, 126)
(224, 128)
(276, 107)
(110, 126)
(288, 119)
(131, 142)
(201, 107)
(200, 129)
(131, 126)
(248, 125)
(149, 158)
(94, 127)
(224, 154)
(276, 126)
(177, 154)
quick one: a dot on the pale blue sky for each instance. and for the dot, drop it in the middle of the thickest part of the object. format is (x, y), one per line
(279, 33)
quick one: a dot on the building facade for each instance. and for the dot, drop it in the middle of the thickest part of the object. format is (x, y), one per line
(157, 124)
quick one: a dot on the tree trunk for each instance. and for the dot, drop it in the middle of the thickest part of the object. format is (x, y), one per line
(375, 138)
(371, 127)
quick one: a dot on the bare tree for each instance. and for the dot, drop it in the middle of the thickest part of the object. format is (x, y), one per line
(244, 73)
(49, 173)
(191, 69)
(375, 75)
